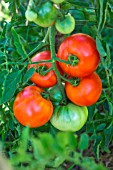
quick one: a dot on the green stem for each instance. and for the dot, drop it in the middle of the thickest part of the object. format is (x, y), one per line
(53, 56)
(62, 61)
(65, 79)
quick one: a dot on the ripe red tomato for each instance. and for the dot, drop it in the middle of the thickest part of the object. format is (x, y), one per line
(83, 48)
(30, 108)
(87, 92)
(47, 80)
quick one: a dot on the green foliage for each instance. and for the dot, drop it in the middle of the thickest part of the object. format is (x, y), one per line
(47, 151)
(45, 147)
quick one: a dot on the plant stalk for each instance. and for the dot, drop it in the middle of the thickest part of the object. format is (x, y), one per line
(53, 56)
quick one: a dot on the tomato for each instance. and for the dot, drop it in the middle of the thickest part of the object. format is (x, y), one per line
(47, 80)
(65, 25)
(47, 15)
(30, 108)
(87, 92)
(57, 1)
(30, 15)
(55, 94)
(69, 117)
(81, 52)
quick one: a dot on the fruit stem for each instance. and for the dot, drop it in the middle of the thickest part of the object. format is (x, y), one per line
(53, 56)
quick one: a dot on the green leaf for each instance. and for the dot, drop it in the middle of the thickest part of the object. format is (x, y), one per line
(84, 142)
(58, 161)
(97, 143)
(78, 3)
(18, 44)
(13, 5)
(110, 3)
(108, 132)
(3, 73)
(28, 74)
(25, 138)
(110, 108)
(102, 15)
(10, 85)
(100, 127)
(66, 139)
(100, 47)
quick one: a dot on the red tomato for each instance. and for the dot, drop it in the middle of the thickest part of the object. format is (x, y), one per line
(30, 108)
(87, 92)
(50, 78)
(82, 47)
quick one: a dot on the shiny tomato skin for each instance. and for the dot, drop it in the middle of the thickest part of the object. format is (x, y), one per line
(30, 108)
(87, 92)
(84, 48)
(50, 78)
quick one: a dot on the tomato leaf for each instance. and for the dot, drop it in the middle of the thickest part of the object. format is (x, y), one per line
(100, 127)
(84, 142)
(28, 75)
(10, 85)
(97, 143)
(108, 133)
(13, 5)
(102, 13)
(66, 139)
(18, 44)
(110, 3)
(3, 73)
(100, 47)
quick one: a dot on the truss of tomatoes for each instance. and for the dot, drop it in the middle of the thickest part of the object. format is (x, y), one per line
(32, 109)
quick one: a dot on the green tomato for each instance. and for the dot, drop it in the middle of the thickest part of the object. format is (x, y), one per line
(47, 15)
(57, 1)
(65, 25)
(55, 94)
(30, 15)
(69, 118)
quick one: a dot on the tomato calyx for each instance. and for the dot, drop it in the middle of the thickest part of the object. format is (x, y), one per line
(43, 70)
(73, 60)
(45, 95)
(75, 81)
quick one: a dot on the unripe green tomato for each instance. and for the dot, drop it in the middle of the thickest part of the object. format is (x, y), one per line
(30, 15)
(57, 1)
(55, 94)
(46, 15)
(65, 25)
(69, 117)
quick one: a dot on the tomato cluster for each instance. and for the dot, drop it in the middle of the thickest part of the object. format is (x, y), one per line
(70, 75)
(33, 109)
(49, 14)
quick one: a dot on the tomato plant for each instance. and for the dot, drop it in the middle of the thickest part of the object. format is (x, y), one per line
(87, 92)
(81, 52)
(69, 117)
(41, 78)
(65, 25)
(30, 108)
(78, 57)
(47, 15)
